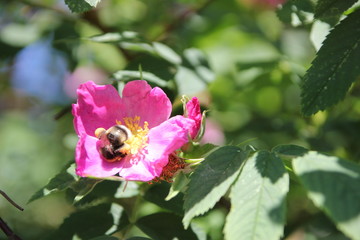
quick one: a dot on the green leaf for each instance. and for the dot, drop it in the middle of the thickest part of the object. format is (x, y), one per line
(333, 70)
(93, 2)
(126, 75)
(211, 180)
(60, 182)
(289, 150)
(157, 194)
(78, 6)
(164, 226)
(331, 10)
(88, 223)
(114, 37)
(333, 185)
(258, 202)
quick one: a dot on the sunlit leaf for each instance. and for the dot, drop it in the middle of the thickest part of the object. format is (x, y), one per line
(164, 226)
(333, 185)
(167, 53)
(211, 180)
(333, 70)
(114, 37)
(258, 202)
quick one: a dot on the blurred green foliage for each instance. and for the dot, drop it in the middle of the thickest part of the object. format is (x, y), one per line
(251, 85)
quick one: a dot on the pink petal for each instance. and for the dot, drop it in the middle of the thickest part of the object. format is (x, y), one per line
(194, 113)
(151, 104)
(163, 140)
(97, 106)
(89, 162)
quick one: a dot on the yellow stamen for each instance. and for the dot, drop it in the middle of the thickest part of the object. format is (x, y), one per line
(139, 138)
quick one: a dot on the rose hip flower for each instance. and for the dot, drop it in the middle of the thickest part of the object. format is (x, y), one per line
(129, 135)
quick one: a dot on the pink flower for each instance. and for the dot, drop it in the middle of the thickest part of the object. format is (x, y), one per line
(148, 138)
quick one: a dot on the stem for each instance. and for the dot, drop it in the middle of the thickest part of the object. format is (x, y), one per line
(7, 230)
(10, 200)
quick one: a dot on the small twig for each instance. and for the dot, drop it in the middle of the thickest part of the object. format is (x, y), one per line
(10, 200)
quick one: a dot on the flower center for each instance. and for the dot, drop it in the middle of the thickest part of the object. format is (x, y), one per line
(139, 137)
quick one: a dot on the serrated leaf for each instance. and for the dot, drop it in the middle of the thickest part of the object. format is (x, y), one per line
(331, 9)
(333, 185)
(258, 202)
(78, 6)
(164, 226)
(127, 75)
(60, 182)
(157, 193)
(334, 69)
(211, 180)
(86, 224)
(93, 2)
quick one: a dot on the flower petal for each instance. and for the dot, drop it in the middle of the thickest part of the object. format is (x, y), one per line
(89, 161)
(194, 113)
(162, 141)
(97, 106)
(151, 104)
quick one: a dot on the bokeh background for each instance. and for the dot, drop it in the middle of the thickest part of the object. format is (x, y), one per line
(257, 64)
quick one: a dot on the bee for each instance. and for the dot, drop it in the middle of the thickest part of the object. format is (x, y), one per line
(112, 142)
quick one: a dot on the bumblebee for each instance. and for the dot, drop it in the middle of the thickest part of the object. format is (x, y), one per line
(112, 142)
